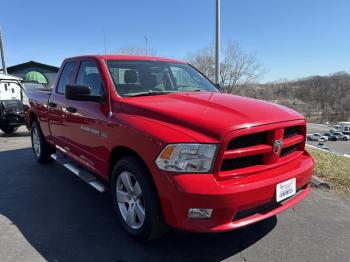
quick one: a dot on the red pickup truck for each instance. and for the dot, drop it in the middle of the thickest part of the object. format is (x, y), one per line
(171, 147)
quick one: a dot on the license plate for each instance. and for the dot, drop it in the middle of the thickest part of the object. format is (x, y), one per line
(285, 189)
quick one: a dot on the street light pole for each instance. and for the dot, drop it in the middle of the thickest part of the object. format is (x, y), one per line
(146, 40)
(4, 69)
(217, 44)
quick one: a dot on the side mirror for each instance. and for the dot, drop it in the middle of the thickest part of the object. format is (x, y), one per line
(81, 93)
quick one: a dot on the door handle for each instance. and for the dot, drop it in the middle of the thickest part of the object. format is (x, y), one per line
(52, 104)
(71, 109)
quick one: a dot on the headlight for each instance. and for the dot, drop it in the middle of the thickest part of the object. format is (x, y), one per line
(191, 158)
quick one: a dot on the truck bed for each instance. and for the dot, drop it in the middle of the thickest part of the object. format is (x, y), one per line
(40, 95)
(38, 103)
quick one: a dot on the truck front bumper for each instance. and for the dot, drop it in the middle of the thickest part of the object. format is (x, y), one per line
(235, 202)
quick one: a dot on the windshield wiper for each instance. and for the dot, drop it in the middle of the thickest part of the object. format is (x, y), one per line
(194, 90)
(151, 93)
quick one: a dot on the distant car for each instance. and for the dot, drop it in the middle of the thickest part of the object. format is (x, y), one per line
(341, 136)
(316, 137)
(331, 137)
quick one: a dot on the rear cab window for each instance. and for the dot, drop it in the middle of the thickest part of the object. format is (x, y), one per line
(66, 76)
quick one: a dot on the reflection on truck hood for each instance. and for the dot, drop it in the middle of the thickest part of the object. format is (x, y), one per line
(207, 116)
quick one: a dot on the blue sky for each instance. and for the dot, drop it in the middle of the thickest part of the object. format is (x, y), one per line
(291, 38)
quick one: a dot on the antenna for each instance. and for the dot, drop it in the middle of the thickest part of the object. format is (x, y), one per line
(146, 40)
(104, 41)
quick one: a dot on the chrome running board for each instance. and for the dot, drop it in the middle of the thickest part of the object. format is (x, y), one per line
(83, 174)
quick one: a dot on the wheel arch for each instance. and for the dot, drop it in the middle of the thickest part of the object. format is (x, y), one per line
(120, 152)
(32, 118)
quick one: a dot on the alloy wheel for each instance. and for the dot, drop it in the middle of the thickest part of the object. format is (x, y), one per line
(130, 200)
(36, 142)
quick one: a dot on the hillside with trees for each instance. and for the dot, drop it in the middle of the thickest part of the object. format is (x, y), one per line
(319, 98)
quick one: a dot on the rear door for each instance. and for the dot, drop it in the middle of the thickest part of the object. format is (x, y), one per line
(57, 105)
(86, 122)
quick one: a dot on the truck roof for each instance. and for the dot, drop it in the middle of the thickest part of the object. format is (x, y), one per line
(131, 57)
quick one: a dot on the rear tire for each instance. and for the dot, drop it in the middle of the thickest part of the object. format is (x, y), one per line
(41, 149)
(137, 204)
(9, 129)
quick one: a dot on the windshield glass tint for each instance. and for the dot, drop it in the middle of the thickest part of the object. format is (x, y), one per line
(135, 78)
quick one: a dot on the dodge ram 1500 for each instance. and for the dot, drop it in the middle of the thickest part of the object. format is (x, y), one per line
(172, 149)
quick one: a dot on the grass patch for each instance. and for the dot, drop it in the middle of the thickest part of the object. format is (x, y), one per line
(333, 169)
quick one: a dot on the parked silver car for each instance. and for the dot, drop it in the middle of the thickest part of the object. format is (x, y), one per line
(316, 137)
(341, 136)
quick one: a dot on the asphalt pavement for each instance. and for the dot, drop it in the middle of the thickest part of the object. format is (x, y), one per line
(46, 213)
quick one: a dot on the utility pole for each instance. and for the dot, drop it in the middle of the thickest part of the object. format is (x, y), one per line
(146, 41)
(2, 53)
(217, 44)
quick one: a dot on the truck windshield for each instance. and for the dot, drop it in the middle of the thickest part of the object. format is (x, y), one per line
(141, 78)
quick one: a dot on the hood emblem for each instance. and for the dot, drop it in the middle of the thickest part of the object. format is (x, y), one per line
(277, 147)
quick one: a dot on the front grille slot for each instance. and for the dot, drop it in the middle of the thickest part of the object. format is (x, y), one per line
(248, 140)
(288, 150)
(291, 131)
(241, 162)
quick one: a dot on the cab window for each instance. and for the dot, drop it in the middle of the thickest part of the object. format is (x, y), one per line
(89, 75)
(66, 76)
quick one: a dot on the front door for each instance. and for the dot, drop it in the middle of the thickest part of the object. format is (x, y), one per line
(57, 104)
(86, 122)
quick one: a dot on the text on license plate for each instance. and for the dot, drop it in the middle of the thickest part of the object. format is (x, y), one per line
(285, 189)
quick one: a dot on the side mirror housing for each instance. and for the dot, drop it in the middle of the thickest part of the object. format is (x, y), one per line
(81, 93)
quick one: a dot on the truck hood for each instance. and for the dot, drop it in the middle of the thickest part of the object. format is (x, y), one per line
(205, 116)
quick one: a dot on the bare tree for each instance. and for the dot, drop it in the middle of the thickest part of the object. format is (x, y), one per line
(136, 50)
(237, 68)
(204, 61)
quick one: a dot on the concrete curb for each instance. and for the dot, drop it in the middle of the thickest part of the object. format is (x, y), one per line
(330, 152)
(319, 183)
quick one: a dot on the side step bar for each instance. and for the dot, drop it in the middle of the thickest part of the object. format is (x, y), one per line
(80, 172)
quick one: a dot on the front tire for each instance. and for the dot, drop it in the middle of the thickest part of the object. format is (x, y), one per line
(9, 129)
(41, 149)
(135, 200)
